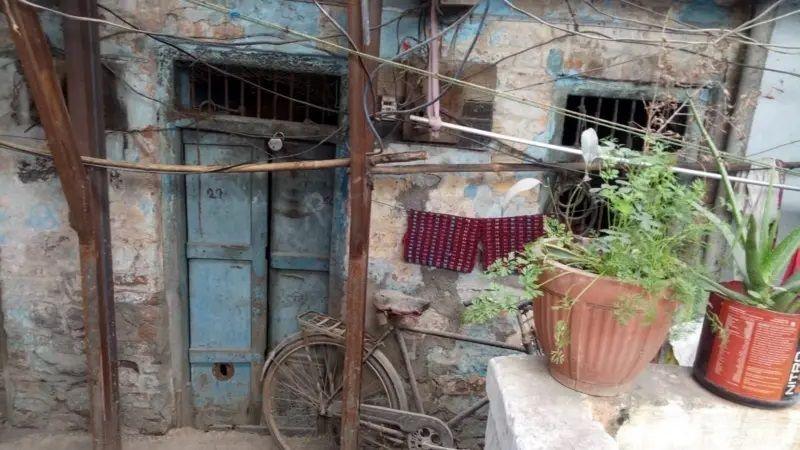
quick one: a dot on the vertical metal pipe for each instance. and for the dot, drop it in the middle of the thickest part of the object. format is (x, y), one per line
(360, 197)
(85, 194)
(85, 91)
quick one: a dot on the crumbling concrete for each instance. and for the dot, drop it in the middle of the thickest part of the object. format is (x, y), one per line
(665, 410)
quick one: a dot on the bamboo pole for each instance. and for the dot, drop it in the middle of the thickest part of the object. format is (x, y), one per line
(244, 168)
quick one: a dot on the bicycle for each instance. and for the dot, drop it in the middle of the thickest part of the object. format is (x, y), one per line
(302, 384)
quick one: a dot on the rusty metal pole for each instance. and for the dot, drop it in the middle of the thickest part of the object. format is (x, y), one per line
(361, 143)
(87, 199)
(85, 91)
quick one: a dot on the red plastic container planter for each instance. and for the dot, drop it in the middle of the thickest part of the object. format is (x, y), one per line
(756, 360)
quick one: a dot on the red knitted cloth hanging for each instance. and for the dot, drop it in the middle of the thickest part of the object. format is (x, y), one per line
(502, 236)
(441, 240)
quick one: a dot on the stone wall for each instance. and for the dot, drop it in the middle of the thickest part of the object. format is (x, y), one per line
(41, 297)
(39, 288)
(39, 284)
(452, 374)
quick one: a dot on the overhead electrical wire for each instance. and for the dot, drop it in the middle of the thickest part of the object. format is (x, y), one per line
(459, 71)
(227, 42)
(251, 167)
(603, 37)
(565, 149)
(774, 147)
(159, 37)
(689, 29)
(391, 61)
(495, 92)
(452, 80)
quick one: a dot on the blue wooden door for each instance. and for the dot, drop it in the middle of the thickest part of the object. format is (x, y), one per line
(226, 252)
(300, 240)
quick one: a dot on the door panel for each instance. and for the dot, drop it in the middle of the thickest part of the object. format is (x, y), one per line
(294, 292)
(219, 196)
(226, 251)
(214, 394)
(217, 289)
(300, 235)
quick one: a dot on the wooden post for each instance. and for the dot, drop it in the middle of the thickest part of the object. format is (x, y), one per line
(82, 196)
(361, 143)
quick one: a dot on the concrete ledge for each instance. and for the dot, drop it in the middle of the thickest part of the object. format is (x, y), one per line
(666, 409)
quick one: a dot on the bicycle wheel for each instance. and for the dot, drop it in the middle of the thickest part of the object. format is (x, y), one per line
(305, 379)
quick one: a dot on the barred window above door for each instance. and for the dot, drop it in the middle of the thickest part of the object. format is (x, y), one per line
(258, 93)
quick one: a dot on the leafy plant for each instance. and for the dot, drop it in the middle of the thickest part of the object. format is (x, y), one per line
(491, 303)
(653, 234)
(760, 258)
(561, 335)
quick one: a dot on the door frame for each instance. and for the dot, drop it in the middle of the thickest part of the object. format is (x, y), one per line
(173, 194)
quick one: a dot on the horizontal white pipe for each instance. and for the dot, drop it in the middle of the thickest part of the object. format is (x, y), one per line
(561, 148)
(494, 135)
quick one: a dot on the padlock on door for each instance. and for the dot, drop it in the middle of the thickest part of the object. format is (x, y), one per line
(275, 143)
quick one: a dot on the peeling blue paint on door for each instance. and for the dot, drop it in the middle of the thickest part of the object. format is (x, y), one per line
(300, 242)
(228, 249)
(226, 252)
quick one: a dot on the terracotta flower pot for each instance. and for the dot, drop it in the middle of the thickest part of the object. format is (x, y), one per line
(601, 355)
(756, 360)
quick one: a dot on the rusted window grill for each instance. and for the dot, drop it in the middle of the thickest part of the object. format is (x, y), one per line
(624, 111)
(265, 94)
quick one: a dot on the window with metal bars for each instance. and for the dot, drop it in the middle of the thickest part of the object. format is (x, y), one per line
(258, 93)
(665, 117)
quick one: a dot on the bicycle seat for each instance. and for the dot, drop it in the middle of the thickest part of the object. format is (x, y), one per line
(396, 303)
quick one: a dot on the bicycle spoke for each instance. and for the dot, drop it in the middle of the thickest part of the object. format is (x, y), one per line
(294, 387)
(318, 377)
(300, 386)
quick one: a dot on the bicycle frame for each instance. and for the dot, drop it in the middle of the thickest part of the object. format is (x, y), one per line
(410, 423)
(528, 346)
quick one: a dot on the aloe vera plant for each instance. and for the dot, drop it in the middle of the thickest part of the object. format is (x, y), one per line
(760, 258)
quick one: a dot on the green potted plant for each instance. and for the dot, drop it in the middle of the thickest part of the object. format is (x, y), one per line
(603, 305)
(749, 348)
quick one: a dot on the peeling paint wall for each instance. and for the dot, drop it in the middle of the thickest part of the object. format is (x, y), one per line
(452, 373)
(39, 287)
